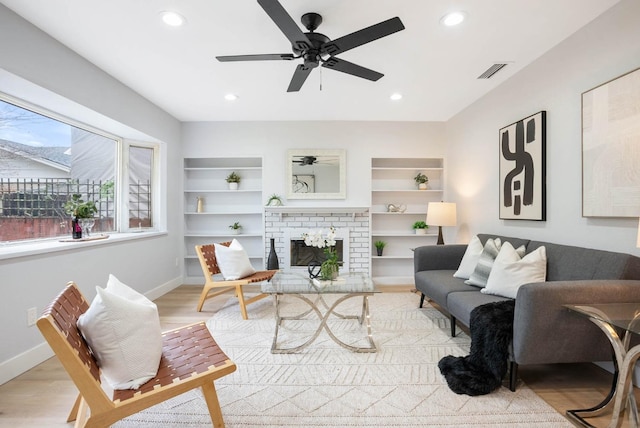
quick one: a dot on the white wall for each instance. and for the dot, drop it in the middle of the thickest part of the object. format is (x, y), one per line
(601, 51)
(271, 140)
(38, 68)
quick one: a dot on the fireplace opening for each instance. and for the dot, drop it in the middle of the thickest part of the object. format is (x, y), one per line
(302, 255)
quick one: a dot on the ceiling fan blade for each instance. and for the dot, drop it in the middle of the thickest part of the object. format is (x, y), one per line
(366, 35)
(299, 76)
(351, 68)
(287, 25)
(259, 57)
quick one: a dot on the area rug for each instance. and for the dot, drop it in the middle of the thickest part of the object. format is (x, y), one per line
(325, 385)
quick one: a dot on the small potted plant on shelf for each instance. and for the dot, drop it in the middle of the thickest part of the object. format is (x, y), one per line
(233, 179)
(379, 246)
(420, 227)
(274, 201)
(421, 181)
(235, 228)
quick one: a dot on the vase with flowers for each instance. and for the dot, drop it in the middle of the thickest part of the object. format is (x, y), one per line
(330, 266)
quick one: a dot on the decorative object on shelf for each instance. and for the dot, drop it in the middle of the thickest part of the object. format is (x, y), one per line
(379, 246)
(421, 181)
(274, 201)
(272, 260)
(80, 212)
(420, 227)
(441, 214)
(236, 227)
(200, 204)
(522, 169)
(392, 208)
(234, 180)
(329, 267)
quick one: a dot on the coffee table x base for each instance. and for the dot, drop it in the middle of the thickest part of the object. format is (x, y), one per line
(364, 317)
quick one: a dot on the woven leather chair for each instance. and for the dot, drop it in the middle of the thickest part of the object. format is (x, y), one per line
(207, 257)
(190, 359)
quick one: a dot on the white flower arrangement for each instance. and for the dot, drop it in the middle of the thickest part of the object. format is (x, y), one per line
(315, 238)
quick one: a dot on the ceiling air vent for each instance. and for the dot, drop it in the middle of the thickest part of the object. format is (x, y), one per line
(492, 70)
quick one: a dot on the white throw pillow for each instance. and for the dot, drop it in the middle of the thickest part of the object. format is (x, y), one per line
(470, 259)
(122, 328)
(511, 270)
(481, 272)
(233, 261)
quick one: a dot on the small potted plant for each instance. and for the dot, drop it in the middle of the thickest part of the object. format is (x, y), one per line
(83, 215)
(233, 179)
(421, 181)
(274, 201)
(420, 227)
(379, 246)
(235, 228)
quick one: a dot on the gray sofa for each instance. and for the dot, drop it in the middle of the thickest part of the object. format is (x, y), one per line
(544, 331)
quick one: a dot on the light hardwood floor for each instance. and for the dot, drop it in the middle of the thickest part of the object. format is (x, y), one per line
(42, 397)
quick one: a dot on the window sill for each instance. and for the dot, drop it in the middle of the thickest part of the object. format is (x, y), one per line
(15, 250)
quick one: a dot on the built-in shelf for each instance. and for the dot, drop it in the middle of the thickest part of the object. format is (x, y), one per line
(392, 182)
(283, 210)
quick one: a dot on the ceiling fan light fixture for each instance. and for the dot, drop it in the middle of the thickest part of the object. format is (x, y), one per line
(396, 96)
(231, 97)
(173, 19)
(453, 18)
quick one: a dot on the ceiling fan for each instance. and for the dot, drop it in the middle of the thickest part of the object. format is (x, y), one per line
(313, 160)
(316, 48)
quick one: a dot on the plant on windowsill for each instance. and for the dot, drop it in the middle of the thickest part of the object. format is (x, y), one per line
(420, 227)
(82, 214)
(421, 181)
(236, 227)
(233, 179)
(379, 246)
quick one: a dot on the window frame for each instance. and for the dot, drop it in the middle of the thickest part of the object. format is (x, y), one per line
(121, 231)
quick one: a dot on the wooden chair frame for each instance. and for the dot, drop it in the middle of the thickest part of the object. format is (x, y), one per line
(190, 359)
(207, 256)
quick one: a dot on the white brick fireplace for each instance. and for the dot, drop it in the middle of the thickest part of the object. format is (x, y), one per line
(285, 224)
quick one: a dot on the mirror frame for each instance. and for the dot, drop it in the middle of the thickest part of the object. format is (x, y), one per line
(340, 194)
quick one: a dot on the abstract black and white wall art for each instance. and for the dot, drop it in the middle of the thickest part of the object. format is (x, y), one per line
(611, 148)
(522, 169)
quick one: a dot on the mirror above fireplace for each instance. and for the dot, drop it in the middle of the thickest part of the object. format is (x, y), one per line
(316, 174)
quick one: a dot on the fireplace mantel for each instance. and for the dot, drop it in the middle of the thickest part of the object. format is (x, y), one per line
(321, 210)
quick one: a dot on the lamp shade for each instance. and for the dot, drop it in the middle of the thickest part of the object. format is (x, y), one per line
(441, 214)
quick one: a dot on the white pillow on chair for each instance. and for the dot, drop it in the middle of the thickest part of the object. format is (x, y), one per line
(122, 328)
(233, 261)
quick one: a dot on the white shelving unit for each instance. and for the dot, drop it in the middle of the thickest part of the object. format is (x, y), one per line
(205, 177)
(392, 182)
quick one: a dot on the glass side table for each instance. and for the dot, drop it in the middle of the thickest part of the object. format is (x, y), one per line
(614, 319)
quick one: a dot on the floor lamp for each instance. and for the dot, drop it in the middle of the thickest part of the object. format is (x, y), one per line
(441, 214)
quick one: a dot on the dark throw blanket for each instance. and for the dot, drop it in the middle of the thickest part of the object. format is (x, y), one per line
(481, 372)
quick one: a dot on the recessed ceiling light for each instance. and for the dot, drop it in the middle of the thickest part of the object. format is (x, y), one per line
(396, 96)
(173, 19)
(453, 18)
(231, 97)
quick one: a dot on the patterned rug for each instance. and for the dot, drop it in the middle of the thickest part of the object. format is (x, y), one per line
(326, 385)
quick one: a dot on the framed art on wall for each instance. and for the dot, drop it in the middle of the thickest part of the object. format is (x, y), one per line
(611, 148)
(523, 169)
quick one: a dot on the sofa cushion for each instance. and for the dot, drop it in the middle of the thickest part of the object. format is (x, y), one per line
(485, 262)
(437, 284)
(566, 263)
(511, 270)
(470, 259)
(460, 304)
(516, 242)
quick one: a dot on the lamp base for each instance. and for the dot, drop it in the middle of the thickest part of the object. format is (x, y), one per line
(440, 239)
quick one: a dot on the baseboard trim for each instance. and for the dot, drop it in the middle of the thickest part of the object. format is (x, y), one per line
(27, 360)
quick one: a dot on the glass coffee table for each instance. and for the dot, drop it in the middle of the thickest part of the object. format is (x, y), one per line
(618, 321)
(312, 293)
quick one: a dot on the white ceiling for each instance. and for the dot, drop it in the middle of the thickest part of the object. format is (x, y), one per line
(434, 67)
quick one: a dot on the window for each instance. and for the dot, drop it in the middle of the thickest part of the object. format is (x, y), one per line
(47, 161)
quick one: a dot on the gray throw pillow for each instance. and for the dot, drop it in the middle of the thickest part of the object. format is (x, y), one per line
(481, 273)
